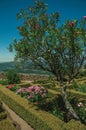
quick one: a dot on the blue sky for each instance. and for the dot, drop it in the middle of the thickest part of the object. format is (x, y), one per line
(68, 9)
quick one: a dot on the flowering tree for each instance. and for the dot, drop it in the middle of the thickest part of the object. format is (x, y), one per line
(59, 49)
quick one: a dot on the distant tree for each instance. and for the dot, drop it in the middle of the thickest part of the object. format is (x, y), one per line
(59, 49)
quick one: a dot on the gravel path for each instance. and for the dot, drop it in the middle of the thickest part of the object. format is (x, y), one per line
(17, 121)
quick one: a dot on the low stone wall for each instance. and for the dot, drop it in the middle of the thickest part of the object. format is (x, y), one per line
(26, 76)
(32, 77)
(2, 75)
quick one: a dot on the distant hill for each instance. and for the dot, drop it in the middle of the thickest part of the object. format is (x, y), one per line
(29, 68)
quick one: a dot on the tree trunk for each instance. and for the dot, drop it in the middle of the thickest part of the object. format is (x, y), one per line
(67, 103)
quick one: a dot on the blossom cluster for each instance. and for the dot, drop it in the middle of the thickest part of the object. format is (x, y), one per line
(80, 104)
(33, 93)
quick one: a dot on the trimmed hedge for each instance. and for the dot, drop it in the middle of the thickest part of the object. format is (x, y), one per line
(71, 93)
(6, 125)
(3, 115)
(38, 119)
(74, 125)
(79, 95)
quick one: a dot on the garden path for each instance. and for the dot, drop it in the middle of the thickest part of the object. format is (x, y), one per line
(17, 121)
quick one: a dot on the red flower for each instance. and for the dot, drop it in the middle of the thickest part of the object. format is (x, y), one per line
(37, 26)
(9, 87)
(71, 24)
(84, 17)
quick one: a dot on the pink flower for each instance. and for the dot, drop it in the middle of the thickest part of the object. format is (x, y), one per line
(84, 17)
(30, 97)
(80, 104)
(37, 26)
(21, 90)
(10, 86)
(70, 24)
(31, 88)
(43, 95)
(37, 88)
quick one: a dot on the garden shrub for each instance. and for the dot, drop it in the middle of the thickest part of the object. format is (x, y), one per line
(55, 106)
(12, 77)
(4, 82)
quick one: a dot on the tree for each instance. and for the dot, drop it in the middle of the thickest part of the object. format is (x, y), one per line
(59, 49)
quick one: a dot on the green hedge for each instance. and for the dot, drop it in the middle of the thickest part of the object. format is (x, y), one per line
(6, 125)
(3, 115)
(79, 95)
(38, 119)
(70, 93)
(74, 125)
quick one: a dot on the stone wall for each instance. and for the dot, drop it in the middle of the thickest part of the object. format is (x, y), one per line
(2, 75)
(26, 76)
(32, 77)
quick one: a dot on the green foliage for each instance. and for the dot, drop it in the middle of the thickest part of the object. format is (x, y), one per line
(13, 87)
(74, 126)
(12, 77)
(82, 114)
(6, 124)
(4, 82)
(3, 115)
(55, 106)
(1, 106)
(80, 108)
(82, 73)
(79, 87)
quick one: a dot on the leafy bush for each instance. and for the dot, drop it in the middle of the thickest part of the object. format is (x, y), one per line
(4, 82)
(80, 107)
(12, 77)
(82, 113)
(55, 106)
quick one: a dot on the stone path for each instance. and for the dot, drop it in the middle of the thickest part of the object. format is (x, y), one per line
(17, 121)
